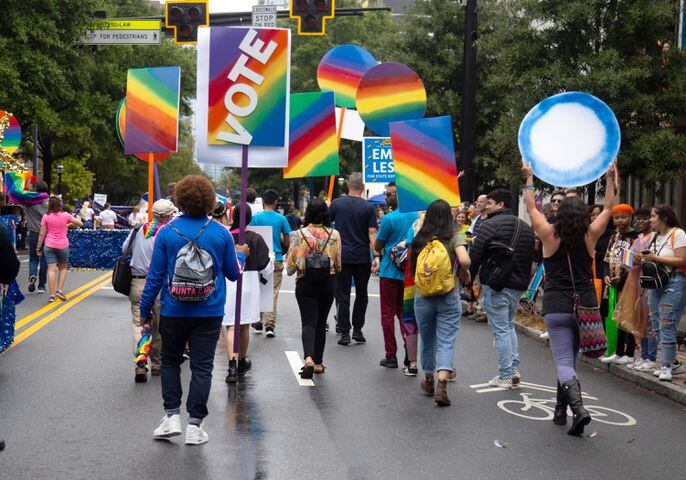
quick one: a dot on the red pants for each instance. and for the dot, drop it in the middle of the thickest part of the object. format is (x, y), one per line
(391, 297)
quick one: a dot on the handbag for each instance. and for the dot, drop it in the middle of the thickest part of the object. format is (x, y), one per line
(122, 276)
(399, 256)
(592, 340)
(654, 275)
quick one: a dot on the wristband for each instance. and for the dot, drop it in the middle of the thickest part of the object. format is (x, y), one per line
(529, 187)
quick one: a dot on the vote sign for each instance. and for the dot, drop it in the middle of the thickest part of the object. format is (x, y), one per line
(378, 160)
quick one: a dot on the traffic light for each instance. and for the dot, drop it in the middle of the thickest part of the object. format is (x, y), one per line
(184, 17)
(312, 15)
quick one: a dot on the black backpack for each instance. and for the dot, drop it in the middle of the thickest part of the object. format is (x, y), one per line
(497, 268)
(193, 279)
(654, 275)
(318, 263)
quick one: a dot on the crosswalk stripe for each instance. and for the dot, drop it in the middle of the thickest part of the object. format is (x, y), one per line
(296, 365)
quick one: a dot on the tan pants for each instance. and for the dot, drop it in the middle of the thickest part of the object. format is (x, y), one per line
(269, 318)
(137, 286)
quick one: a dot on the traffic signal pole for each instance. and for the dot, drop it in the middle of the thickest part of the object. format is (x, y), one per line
(468, 131)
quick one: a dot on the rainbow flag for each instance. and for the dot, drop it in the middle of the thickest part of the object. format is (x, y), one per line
(313, 150)
(152, 110)
(12, 135)
(258, 97)
(628, 257)
(17, 187)
(390, 92)
(341, 71)
(120, 124)
(424, 157)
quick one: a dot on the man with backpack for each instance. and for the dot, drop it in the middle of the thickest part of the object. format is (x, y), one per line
(503, 252)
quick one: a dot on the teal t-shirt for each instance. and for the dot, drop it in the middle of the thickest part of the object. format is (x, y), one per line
(393, 230)
(279, 224)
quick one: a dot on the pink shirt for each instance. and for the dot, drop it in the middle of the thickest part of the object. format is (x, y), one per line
(57, 225)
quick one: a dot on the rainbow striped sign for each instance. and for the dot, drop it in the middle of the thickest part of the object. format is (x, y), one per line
(12, 138)
(152, 104)
(121, 134)
(425, 168)
(341, 70)
(248, 87)
(313, 149)
(390, 92)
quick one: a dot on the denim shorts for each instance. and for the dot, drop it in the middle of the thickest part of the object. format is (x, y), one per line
(56, 255)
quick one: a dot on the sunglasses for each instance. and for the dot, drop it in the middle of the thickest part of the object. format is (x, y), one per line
(556, 201)
(388, 194)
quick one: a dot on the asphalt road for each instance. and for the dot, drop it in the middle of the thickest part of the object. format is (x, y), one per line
(69, 409)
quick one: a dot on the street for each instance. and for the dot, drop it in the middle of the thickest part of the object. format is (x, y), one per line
(70, 409)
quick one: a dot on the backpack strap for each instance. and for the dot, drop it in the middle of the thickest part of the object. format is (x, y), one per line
(188, 240)
(515, 237)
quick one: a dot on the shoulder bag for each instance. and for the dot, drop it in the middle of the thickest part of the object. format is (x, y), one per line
(121, 276)
(592, 339)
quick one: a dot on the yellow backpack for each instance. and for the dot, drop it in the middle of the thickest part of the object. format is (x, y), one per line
(434, 273)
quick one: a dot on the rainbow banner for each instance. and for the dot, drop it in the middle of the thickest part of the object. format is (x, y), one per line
(121, 134)
(390, 92)
(152, 104)
(341, 71)
(12, 137)
(248, 86)
(628, 257)
(424, 157)
(313, 149)
(17, 186)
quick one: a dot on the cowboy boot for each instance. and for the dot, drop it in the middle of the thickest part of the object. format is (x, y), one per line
(581, 417)
(560, 415)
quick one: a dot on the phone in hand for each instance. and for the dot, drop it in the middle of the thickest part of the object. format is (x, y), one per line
(645, 252)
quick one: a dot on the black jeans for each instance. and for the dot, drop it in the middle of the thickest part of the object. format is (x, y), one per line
(314, 301)
(361, 273)
(202, 334)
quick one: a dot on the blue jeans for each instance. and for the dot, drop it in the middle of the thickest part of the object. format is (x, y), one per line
(649, 348)
(35, 261)
(665, 307)
(438, 319)
(501, 308)
(202, 334)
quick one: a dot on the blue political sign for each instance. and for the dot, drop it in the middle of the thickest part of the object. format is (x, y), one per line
(378, 160)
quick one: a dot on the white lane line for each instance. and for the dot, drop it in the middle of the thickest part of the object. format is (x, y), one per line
(532, 386)
(372, 295)
(296, 365)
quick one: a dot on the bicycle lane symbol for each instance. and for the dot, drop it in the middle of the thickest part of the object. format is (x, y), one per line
(543, 408)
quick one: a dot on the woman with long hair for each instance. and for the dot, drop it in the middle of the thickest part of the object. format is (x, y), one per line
(86, 214)
(438, 316)
(53, 231)
(568, 249)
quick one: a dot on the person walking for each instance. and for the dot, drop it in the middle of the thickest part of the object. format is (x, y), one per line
(568, 248)
(355, 220)
(107, 218)
(192, 308)
(393, 230)
(142, 239)
(502, 255)
(294, 220)
(53, 233)
(38, 268)
(437, 254)
(269, 217)
(314, 256)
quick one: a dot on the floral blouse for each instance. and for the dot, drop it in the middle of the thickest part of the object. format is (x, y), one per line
(316, 237)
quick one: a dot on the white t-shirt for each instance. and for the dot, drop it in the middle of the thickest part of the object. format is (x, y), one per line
(107, 218)
(88, 214)
(663, 243)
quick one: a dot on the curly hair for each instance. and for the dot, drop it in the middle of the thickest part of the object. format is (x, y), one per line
(195, 196)
(572, 223)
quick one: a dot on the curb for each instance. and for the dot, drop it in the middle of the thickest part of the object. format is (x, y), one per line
(670, 390)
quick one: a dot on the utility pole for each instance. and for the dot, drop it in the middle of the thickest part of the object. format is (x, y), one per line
(35, 150)
(468, 133)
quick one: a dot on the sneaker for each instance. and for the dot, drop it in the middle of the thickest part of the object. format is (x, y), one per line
(665, 374)
(32, 283)
(51, 299)
(645, 366)
(358, 337)
(500, 382)
(196, 435)
(389, 362)
(186, 353)
(624, 360)
(637, 363)
(345, 339)
(155, 370)
(257, 327)
(61, 296)
(516, 376)
(609, 359)
(480, 317)
(40, 290)
(657, 371)
(170, 427)
(678, 368)
(269, 331)
(544, 336)
(410, 372)
(141, 375)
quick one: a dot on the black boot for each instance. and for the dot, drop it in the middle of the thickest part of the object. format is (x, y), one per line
(581, 418)
(232, 376)
(244, 364)
(560, 416)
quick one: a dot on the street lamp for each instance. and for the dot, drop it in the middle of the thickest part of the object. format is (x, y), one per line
(60, 171)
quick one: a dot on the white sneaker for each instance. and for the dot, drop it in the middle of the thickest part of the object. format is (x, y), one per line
(170, 427)
(646, 366)
(196, 435)
(665, 374)
(678, 368)
(544, 335)
(609, 359)
(516, 376)
(657, 371)
(637, 363)
(500, 382)
(623, 360)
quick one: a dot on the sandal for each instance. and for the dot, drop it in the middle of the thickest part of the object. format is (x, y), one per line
(318, 369)
(307, 372)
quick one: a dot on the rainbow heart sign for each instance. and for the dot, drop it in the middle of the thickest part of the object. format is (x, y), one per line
(425, 168)
(248, 86)
(121, 134)
(12, 138)
(313, 149)
(341, 71)
(390, 92)
(152, 110)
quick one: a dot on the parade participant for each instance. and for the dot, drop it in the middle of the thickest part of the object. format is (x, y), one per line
(394, 227)
(142, 239)
(438, 315)
(478, 215)
(594, 212)
(462, 221)
(502, 255)
(568, 248)
(666, 304)
(355, 220)
(53, 233)
(314, 257)
(294, 220)
(251, 199)
(556, 200)
(410, 326)
(38, 268)
(86, 214)
(107, 218)
(190, 237)
(615, 275)
(280, 231)
(259, 266)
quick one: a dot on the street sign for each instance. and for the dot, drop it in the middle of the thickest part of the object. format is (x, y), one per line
(378, 160)
(123, 32)
(264, 16)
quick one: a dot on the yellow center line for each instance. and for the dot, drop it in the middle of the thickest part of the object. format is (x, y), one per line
(56, 304)
(49, 318)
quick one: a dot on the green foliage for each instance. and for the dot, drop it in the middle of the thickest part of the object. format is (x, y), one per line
(77, 179)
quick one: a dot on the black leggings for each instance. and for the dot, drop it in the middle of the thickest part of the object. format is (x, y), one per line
(314, 301)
